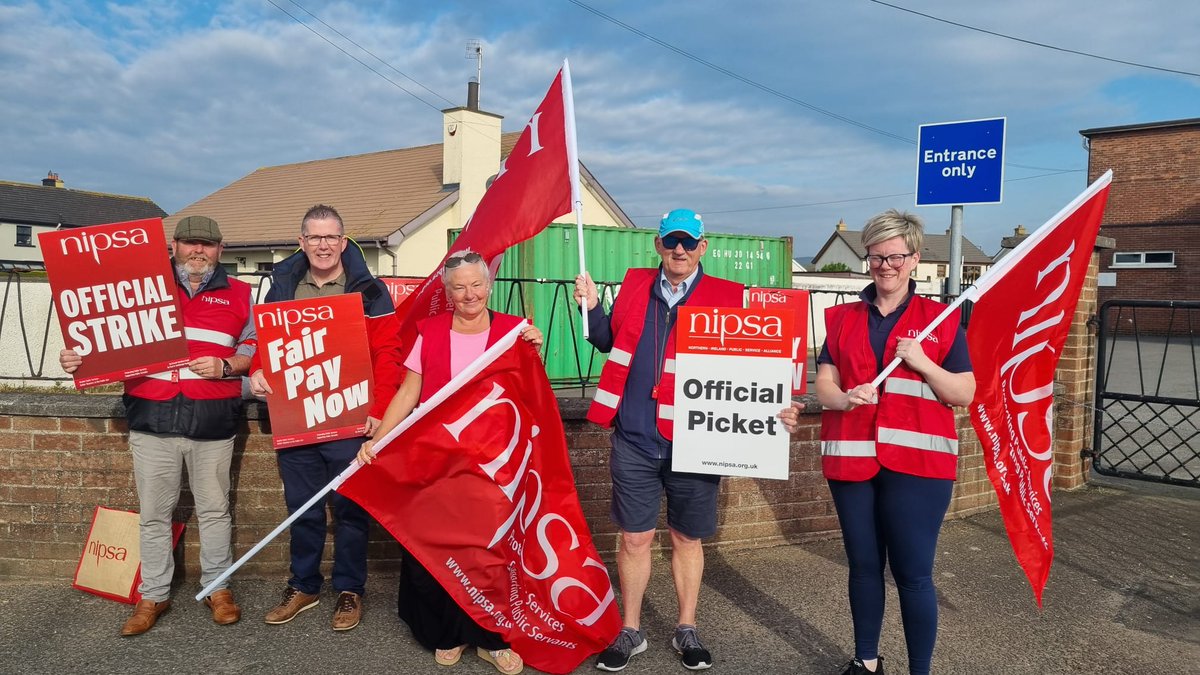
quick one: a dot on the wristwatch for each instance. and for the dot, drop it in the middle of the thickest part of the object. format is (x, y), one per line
(226, 369)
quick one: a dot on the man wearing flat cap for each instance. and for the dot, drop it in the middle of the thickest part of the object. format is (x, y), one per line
(188, 417)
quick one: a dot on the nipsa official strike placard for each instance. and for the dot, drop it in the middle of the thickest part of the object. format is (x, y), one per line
(117, 300)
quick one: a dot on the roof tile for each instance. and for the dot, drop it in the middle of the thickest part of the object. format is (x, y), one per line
(43, 205)
(376, 194)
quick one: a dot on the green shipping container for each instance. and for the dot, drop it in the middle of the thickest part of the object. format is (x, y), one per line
(536, 280)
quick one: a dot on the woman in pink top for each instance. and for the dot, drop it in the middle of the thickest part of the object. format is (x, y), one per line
(445, 345)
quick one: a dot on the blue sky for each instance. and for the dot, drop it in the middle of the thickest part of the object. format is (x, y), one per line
(173, 100)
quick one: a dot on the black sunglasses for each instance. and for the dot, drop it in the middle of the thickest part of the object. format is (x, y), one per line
(456, 259)
(670, 241)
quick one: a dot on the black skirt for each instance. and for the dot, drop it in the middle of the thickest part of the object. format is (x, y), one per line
(436, 621)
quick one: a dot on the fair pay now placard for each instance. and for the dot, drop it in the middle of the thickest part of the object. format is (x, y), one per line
(315, 356)
(733, 374)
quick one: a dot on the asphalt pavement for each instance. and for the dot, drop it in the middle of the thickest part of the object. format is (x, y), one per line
(1123, 597)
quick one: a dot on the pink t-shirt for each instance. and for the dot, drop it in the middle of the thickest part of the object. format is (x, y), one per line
(463, 350)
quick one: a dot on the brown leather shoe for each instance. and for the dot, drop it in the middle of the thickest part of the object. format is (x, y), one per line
(348, 612)
(292, 604)
(145, 613)
(224, 610)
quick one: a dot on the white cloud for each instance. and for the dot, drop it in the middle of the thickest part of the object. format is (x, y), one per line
(172, 101)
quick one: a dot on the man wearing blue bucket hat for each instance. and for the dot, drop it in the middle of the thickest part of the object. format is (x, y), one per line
(635, 395)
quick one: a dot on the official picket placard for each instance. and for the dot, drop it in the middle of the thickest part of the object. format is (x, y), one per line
(797, 301)
(315, 356)
(733, 374)
(117, 301)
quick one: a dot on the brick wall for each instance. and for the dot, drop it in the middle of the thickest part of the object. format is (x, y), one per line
(1154, 205)
(63, 454)
(1155, 174)
(55, 469)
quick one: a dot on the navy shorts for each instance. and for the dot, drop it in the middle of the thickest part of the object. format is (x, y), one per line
(638, 483)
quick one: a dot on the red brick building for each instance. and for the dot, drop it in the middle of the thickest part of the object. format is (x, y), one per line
(1153, 209)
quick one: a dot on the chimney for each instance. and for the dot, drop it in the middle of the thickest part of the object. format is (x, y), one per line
(52, 180)
(1019, 231)
(470, 152)
(473, 95)
(841, 226)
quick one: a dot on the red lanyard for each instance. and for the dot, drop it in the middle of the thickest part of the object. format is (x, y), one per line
(661, 361)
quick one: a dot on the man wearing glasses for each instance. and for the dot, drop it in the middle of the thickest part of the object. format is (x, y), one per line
(330, 264)
(635, 395)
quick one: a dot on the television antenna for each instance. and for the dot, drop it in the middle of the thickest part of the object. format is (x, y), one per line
(475, 51)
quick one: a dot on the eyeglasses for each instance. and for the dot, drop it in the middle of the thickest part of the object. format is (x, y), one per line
(894, 260)
(460, 258)
(317, 239)
(670, 241)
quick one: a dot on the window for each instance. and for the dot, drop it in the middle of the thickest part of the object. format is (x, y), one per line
(230, 268)
(971, 273)
(1146, 259)
(265, 266)
(25, 235)
(941, 271)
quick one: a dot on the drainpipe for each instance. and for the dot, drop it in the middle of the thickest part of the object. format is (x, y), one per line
(395, 261)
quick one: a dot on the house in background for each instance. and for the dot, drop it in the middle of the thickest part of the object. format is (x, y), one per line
(1007, 244)
(845, 246)
(27, 209)
(398, 205)
(1153, 210)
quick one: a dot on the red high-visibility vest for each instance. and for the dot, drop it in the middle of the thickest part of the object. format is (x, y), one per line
(628, 320)
(212, 323)
(910, 431)
(435, 346)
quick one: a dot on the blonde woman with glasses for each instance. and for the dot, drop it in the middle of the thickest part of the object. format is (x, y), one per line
(891, 455)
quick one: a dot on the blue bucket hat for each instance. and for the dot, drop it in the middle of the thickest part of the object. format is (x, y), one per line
(684, 221)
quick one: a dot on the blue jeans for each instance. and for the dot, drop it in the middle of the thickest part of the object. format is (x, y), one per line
(305, 470)
(893, 519)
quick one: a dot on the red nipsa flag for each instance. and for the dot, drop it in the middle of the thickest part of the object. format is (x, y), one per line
(480, 490)
(532, 188)
(1016, 334)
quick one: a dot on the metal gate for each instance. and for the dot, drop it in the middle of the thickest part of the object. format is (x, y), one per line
(1148, 391)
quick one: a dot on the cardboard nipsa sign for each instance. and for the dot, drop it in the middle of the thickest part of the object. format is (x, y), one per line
(315, 356)
(117, 300)
(111, 563)
(797, 301)
(733, 374)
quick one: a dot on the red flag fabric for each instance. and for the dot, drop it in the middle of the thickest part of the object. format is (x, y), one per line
(1015, 337)
(480, 490)
(532, 188)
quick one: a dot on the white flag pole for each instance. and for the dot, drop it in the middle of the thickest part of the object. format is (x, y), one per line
(576, 194)
(441, 395)
(1002, 266)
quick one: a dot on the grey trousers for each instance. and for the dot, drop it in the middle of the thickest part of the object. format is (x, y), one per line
(158, 461)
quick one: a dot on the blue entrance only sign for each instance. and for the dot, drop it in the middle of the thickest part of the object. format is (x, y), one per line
(960, 162)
